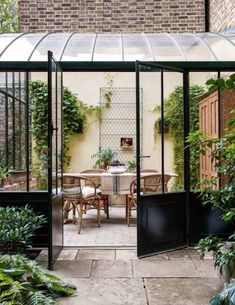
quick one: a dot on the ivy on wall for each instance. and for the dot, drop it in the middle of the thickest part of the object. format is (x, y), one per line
(173, 114)
(73, 116)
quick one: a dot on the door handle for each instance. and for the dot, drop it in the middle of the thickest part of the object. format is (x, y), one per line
(145, 156)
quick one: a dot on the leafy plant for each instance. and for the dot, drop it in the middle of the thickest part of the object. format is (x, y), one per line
(174, 116)
(221, 83)
(222, 198)
(17, 226)
(3, 175)
(9, 13)
(23, 281)
(104, 157)
(74, 120)
(226, 296)
(131, 165)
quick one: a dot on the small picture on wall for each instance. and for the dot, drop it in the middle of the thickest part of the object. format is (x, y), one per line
(127, 143)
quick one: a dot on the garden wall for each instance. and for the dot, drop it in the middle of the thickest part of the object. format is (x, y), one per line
(112, 16)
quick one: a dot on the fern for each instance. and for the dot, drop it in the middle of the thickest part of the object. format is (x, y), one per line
(40, 288)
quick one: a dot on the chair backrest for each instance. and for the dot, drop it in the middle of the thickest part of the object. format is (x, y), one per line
(96, 179)
(149, 171)
(150, 184)
(72, 186)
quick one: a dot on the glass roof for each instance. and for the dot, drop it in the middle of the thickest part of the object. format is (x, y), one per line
(70, 47)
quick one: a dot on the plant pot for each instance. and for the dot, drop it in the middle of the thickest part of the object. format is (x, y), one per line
(228, 273)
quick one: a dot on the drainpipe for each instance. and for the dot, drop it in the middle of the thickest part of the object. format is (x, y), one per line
(207, 15)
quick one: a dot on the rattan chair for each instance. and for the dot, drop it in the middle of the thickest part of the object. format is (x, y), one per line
(79, 196)
(104, 201)
(148, 184)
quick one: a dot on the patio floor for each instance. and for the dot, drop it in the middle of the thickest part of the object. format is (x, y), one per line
(117, 277)
(113, 232)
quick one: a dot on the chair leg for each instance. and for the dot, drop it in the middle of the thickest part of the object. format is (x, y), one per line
(98, 213)
(79, 219)
(128, 212)
(107, 205)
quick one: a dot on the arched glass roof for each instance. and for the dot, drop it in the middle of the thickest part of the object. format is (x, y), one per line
(71, 47)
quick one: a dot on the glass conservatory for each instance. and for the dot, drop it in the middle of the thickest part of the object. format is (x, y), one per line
(155, 64)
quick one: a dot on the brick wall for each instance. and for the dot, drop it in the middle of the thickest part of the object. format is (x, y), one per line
(112, 15)
(222, 15)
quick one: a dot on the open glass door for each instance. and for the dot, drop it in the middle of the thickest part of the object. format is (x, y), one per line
(162, 212)
(55, 119)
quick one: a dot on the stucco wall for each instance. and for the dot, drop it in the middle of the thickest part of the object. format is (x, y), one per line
(222, 15)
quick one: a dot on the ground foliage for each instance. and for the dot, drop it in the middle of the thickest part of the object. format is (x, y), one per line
(24, 282)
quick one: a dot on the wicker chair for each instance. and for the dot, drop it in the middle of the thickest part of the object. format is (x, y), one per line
(104, 202)
(80, 197)
(148, 184)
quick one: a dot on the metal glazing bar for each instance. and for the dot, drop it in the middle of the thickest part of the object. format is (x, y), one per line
(13, 122)
(20, 122)
(207, 46)
(137, 73)
(149, 45)
(11, 43)
(37, 45)
(177, 46)
(49, 122)
(6, 123)
(162, 126)
(93, 47)
(65, 45)
(27, 133)
(219, 118)
(186, 148)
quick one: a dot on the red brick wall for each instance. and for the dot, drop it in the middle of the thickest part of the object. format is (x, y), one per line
(112, 15)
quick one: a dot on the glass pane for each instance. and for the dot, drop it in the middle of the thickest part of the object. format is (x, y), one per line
(173, 131)
(25, 44)
(164, 48)
(6, 39)
(136, 47)
(150, 139)
(53, 42)
(79, 47)
(204, 118)
(193, 48)
(230, 36)
(108, 48)
(38, 132)
(222, 48)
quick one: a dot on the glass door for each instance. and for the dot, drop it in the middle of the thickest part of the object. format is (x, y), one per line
(55, 119)
(162, 173)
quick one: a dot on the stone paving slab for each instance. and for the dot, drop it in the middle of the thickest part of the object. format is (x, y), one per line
(205, 268)
(96, 254)
(67, 255)
(72, 269)
(181, 291)
(126, 254)
(98, 291)
(111, 269)
(164, 268)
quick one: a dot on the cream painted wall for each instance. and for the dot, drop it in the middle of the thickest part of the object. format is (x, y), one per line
(87, 87)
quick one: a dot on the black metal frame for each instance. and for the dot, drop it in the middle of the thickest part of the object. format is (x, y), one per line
(40, 200)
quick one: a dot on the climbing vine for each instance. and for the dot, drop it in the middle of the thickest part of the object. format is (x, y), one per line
(74, 119)
(173, 114)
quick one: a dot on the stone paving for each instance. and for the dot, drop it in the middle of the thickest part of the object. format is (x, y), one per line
(113, 231)
(118, 277)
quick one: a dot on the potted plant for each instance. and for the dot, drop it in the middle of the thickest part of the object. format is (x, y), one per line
(104, 158)
(131, 166)
(220, 198)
